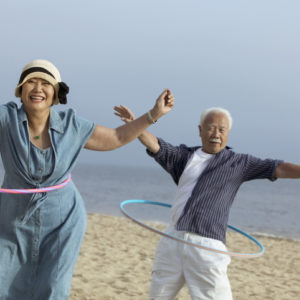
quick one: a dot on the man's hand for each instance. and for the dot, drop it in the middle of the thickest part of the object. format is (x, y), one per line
(124, 113)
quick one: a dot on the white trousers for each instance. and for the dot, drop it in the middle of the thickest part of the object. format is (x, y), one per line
(176, 263)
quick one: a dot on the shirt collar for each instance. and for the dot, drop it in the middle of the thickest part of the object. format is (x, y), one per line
(55, 121)
(226, 148)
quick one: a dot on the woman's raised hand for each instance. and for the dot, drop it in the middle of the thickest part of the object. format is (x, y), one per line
(163, 105)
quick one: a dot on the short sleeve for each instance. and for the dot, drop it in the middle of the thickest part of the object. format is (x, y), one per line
(8, 116)
(69, 134)
(76, 130)
(4, 112)
(85, 128)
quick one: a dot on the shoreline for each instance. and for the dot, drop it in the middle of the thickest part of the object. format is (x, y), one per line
(117, 254)
(257, 234)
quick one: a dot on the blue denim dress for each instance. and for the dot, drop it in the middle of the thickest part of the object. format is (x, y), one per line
(40, 234)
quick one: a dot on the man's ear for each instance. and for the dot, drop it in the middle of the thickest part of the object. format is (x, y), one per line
(200, 130)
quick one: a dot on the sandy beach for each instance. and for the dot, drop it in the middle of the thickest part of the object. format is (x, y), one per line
(116, 258)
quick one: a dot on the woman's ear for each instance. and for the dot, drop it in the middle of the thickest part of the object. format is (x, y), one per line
(20, 88)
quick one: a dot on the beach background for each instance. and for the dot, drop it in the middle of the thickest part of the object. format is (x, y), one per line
(240, 55)
(116, 257)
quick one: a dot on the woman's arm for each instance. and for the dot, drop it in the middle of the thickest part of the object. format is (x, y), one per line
(105, 139)
(146, 138)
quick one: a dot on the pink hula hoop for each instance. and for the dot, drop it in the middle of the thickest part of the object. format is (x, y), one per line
(37, 190)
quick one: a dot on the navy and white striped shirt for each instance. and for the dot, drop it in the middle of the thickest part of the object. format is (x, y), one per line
(207, 210)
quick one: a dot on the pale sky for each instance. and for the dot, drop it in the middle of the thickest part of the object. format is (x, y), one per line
(240, 55)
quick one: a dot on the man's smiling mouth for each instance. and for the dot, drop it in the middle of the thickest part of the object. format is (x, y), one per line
(217, 141)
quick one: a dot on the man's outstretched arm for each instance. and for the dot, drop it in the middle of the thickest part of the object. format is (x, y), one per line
(149, 140)
(287, 170)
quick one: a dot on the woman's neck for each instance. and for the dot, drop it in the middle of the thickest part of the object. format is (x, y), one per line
(38, 125)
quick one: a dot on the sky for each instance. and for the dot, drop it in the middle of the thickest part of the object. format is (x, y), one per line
(240, 55)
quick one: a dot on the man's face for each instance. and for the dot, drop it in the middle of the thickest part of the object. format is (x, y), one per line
(214, 132)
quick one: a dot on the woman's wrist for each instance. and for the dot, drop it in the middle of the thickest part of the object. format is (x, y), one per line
(151, 117)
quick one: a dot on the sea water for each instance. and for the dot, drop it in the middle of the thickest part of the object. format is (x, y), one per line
(261, 206)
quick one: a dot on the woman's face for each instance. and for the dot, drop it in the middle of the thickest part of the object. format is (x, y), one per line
(37, 94)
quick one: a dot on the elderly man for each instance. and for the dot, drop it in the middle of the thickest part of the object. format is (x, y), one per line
(208, 179)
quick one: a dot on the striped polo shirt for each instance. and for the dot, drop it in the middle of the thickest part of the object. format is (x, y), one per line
(207, 210)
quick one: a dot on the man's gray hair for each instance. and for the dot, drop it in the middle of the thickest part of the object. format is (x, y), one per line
(208, 111)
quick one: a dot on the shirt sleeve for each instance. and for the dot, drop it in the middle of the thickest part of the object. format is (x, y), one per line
(77, 130)
(85, 129)
(4, 111)
(172, 158)
(69, 134)
(4, 116)
(256, 168)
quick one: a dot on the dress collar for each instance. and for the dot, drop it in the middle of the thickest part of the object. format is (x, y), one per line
(55, 123)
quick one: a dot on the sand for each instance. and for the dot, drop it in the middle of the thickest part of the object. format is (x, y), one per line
(116, 258)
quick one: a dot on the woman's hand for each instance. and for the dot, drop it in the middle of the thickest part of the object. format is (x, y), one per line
(163, 105)
(105, 139)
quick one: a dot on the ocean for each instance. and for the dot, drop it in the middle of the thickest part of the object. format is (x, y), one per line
(261, 206)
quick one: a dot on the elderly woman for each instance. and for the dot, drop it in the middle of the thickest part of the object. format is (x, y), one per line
(41, 233)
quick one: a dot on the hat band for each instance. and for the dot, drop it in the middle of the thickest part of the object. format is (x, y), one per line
(34, 69)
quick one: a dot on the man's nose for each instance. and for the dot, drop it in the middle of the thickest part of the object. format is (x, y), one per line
(216, 132)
